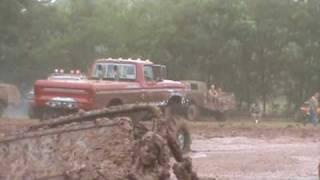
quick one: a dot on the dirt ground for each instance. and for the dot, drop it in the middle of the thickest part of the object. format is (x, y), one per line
(244, 150)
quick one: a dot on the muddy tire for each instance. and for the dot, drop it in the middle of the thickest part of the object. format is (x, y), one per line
(167, 112)
(34, 113)
(182, 135)
(193, 112)
(172, 110)
(219, 116)
(47, 114)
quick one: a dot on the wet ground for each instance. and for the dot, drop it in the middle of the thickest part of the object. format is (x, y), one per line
(243, 150)
(248, 158)
(251, 152)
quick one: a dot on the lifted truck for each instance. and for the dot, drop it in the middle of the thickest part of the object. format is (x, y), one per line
(199, 101)
(110, 82)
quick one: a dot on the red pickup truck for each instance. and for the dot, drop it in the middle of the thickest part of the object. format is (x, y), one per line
(109, 82)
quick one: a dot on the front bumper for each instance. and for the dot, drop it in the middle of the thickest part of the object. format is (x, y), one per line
(63, 103)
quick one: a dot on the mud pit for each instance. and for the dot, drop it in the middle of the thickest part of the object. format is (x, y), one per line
(219, 150)
(248, 158)
(250, 153)
(98, 144)
(70, 155)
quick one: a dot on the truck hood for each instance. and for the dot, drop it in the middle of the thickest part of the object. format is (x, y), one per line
(172, 84)
(84, 84)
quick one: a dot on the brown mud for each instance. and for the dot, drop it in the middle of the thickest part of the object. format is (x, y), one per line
(221, 150)
(249, 151)
(99, 144)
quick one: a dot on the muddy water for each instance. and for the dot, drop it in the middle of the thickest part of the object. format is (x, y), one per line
(243, 158)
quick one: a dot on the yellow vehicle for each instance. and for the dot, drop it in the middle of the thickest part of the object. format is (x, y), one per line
(199, 101)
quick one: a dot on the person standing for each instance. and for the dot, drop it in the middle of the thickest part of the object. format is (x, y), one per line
(313, 107)
(255, 112)
(213, 94)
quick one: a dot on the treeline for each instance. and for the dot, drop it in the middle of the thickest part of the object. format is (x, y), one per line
(259, 49)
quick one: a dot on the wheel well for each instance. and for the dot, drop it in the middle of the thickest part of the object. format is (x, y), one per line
(175, 100)
(115, 102)
(218, 115)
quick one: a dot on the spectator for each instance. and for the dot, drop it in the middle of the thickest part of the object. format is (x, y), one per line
(313, 108)
(220, 91)
(255, 112)
(213, 94)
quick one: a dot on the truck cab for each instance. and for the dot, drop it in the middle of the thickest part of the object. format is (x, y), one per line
(109, 82)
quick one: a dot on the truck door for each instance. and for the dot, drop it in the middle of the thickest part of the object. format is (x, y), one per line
(153, 92)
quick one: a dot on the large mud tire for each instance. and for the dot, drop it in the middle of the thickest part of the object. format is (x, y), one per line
(193, 112)
(47, 114)
(219, 116)
(167, 112)
(172, 110)
(34, 113)
(182, 134)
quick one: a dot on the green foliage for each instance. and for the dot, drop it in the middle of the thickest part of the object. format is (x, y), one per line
(256, 48)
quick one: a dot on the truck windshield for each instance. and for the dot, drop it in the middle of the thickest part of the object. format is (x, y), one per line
(113, 71)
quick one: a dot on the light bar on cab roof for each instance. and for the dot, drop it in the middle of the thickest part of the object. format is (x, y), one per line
(128, 59)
